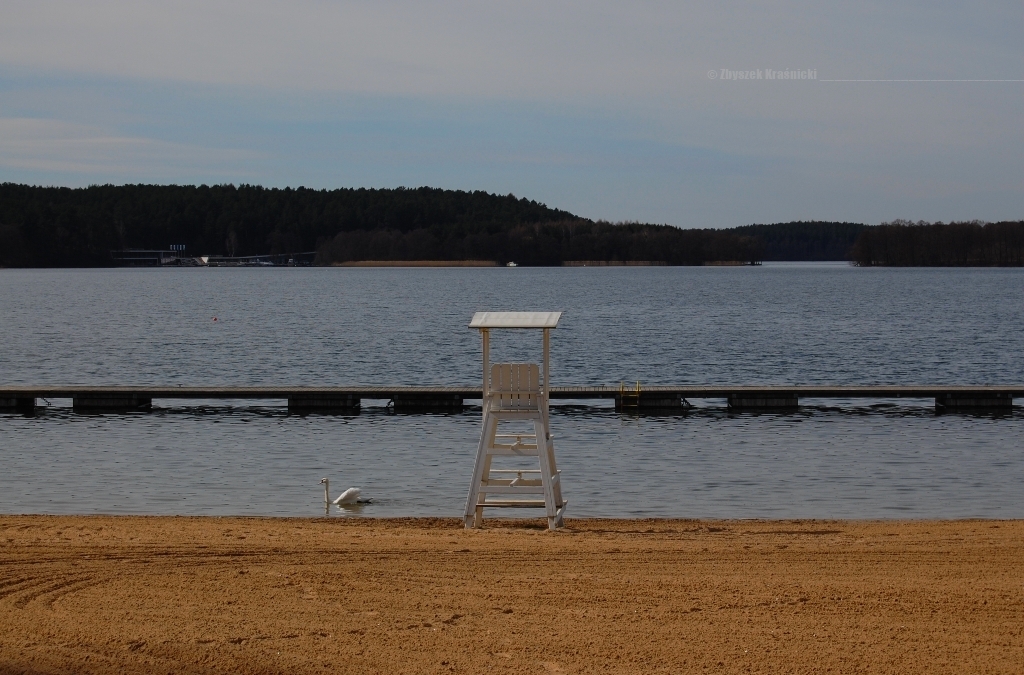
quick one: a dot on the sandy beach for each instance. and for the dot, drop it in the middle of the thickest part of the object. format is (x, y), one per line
(258, 595)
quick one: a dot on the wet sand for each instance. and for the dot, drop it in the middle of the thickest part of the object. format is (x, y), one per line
(253, 595)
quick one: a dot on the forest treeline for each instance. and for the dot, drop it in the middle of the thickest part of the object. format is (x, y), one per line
(805, 240)
(972, 244)
(546, 243)
(65, 227)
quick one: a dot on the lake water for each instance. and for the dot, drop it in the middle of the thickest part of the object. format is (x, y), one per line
(775, 324)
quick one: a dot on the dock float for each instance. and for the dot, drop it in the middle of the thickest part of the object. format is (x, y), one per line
(647, 399)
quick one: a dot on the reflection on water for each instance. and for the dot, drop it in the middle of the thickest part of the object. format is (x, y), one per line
(820, 462)
(346, 509)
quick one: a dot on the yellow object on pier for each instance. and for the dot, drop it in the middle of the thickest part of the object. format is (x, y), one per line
(629, 398)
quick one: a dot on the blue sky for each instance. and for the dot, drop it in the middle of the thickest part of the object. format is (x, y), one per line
(605, 109)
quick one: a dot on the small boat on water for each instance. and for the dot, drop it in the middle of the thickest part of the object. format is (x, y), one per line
(511, 264)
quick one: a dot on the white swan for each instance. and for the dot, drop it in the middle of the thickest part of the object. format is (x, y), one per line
(349, 496)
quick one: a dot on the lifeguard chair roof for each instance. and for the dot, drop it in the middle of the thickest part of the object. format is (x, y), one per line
(515, 320)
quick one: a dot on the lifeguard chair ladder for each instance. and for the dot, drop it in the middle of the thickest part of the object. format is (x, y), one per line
(515, 392)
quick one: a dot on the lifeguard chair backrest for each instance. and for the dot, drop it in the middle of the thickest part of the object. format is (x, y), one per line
(515, 386)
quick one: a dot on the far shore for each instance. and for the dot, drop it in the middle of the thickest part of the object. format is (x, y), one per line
(417, 263)
(135, 594)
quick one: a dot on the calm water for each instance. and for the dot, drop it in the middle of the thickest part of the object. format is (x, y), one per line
(777, 324)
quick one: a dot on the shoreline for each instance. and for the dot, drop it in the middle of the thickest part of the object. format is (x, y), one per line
(503, 522)
(253, 594)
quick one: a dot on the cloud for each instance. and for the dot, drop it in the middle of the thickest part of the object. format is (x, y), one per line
(550, 49)
(507, 50)
(601, 107)
(645, 60)
(66, 147)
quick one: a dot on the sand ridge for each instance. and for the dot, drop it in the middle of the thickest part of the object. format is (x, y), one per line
(99, 594)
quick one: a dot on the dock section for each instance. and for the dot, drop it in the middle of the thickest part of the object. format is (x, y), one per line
(643, 399)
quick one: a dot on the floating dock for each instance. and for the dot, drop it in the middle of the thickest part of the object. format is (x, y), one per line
(641, 398)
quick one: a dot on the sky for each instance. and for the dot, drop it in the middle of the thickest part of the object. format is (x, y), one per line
(611, 110)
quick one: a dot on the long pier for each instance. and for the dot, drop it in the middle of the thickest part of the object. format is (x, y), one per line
(654, 399)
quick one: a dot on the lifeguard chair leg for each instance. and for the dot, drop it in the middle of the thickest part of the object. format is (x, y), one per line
(546, 473)
(473, 516)
(556, 489)
(482, 494)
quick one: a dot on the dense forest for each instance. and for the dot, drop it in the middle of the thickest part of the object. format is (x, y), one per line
(63, 227)
(49, 227)
(546, 243)
(810, 240)
(905, 244)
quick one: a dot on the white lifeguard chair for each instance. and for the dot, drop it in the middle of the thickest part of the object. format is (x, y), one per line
(515, 392)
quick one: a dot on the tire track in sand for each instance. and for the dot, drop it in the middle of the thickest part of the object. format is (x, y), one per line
(49, 591)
